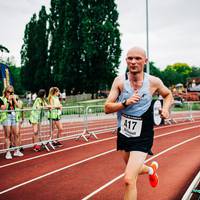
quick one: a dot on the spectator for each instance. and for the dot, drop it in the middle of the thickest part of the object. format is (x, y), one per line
(36, 117)
(55, 112)
(8, 118)
(19, 118)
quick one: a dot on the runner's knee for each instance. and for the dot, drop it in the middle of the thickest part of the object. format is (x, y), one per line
(130, 180)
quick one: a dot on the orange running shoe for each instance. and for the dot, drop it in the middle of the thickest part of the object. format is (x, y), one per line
(154, 177)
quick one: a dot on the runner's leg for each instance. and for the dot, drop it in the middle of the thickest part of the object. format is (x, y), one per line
(133, 168)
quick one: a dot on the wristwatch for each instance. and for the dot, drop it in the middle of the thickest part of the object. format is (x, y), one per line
(124, 103)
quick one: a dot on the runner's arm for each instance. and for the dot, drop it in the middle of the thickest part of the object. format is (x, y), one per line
(167, 98)
(111, 105)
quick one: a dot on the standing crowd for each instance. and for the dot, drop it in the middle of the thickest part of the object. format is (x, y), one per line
(12, 117)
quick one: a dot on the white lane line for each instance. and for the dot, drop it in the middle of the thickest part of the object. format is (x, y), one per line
(175, 125)
(54, 152)
(121, 175)
(85, 144)
(156, 128)
(58, 170)
(82, 161)
(184, 129)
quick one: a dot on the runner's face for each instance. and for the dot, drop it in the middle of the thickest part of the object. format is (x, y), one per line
(136, 60)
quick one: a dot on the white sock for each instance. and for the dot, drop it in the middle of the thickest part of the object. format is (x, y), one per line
(150, 171)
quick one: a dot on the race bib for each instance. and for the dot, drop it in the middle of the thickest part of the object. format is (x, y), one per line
(131, 126)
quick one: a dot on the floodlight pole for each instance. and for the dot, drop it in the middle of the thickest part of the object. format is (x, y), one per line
(147, 35)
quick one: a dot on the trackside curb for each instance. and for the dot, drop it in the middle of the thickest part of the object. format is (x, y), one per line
(188, 193)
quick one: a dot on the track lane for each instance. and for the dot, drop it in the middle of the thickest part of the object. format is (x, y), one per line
(38, 167)
(175, 175)
(93, 164)
(29, 154)
(45, 165)
(75, 128)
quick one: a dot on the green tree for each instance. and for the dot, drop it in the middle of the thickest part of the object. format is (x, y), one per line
(56, 36)
(195, 72)
(101, 43)
(34, 53)
(70, 62)
(155, 71)
(42, 70)
(176, 73)
(84, 46)
(28, 53)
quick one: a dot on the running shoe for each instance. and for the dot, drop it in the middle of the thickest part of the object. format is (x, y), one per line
(8, 155)
(153, 179)
(18, 153)
(36, 148)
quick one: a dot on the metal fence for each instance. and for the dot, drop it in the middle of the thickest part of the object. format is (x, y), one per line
(189, 111)
(96, 121)
(80, 122)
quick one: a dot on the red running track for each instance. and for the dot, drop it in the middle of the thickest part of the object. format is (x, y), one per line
(94, 170)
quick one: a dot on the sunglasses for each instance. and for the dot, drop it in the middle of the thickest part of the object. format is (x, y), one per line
(10, 92)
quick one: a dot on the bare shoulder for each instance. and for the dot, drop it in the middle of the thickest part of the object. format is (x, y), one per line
(156, 85)
(120, 79)
(116, 89)
(118, 82)
(155, 80)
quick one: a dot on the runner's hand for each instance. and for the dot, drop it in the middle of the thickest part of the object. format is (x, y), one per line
(164, 113)
(134, 99)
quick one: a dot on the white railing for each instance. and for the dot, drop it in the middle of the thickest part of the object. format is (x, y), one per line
(82, 122)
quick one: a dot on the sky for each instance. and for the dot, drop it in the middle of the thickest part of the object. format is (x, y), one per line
(174, 28)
